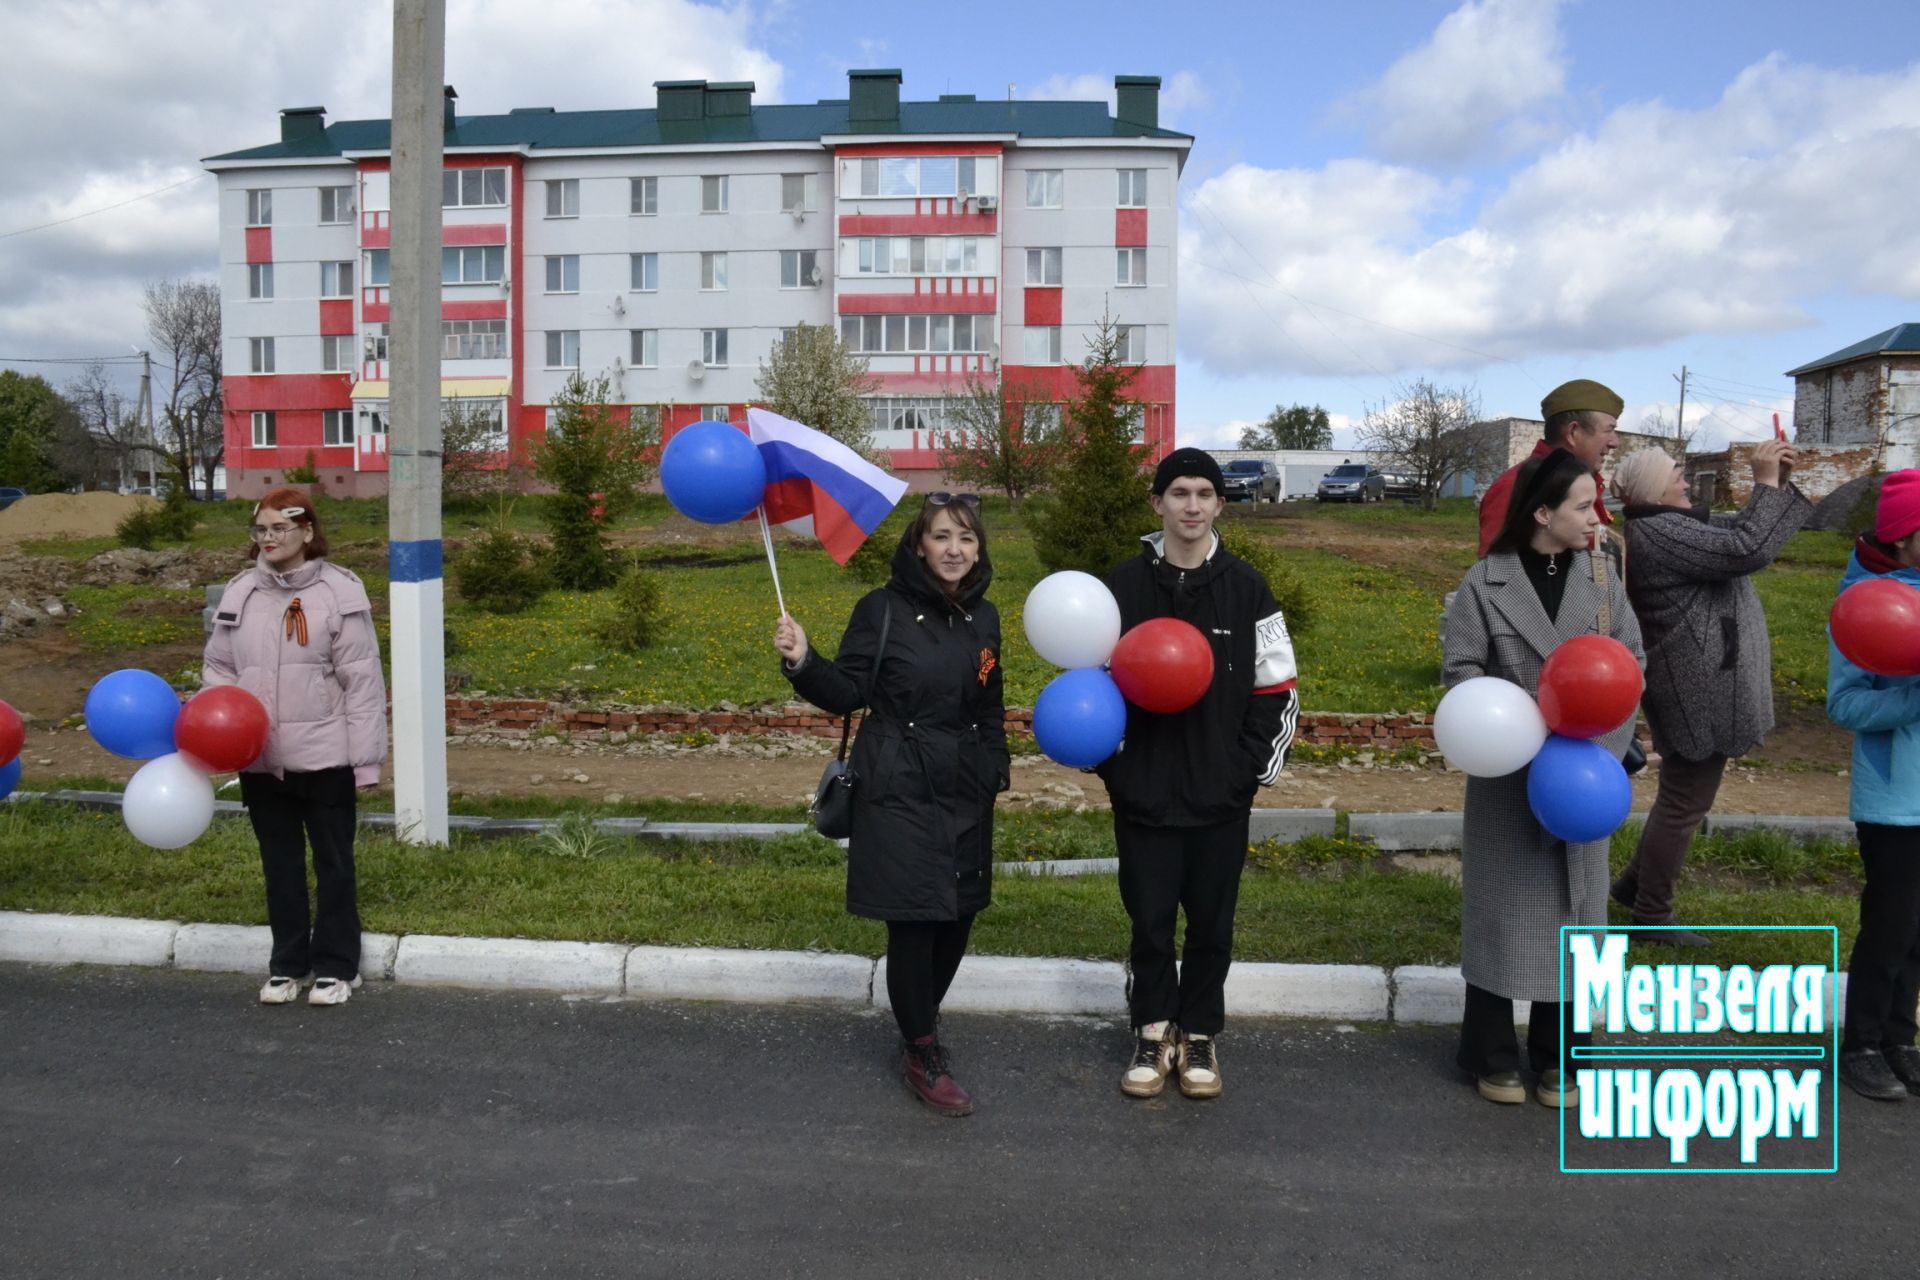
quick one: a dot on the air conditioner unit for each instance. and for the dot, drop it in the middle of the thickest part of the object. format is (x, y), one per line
(988, 203)
(695, 370)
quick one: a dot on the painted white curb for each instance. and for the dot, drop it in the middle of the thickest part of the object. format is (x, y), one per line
(223, 948)
(1308, 991)
(519, 964)
(1427, 993)
(765, 977)
(62, 939)
(1021, 984)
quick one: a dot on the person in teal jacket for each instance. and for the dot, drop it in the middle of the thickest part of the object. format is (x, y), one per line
(1877, 1053)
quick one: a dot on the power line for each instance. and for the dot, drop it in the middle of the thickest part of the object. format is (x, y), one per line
(1732, 382)
(69, 359)
(60, 222)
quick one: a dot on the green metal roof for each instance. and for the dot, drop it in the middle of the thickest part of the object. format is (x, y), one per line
(773, 123)
(1904, 338)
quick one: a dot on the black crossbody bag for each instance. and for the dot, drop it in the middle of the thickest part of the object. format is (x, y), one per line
(832, 807)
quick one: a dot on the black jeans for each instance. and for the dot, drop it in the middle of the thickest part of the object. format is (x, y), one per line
(1164, 870)
(1488, 1044)
(922, 957)
(287, 813)
(1883, 974)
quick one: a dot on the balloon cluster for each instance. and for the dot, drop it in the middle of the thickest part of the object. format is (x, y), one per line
(1162, 665)
(168, 802)
(712, 473)
(1876, 626)
(13, 735)
(1488, 728)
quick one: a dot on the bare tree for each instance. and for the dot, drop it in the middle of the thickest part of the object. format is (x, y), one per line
(1002, 438)
(814, 378)
(183, 319)
(475, 461)
(1426, 433)
(113, 425)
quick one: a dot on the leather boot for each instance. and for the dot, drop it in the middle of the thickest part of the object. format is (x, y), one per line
(925, 1073)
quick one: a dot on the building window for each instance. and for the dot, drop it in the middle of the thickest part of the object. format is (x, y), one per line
(374, 344)
(473, 339)
(713, 347)
(645, 271)
(474, 264)
(920, 255)
(793, 192)
(1132, 343)
(799, 268)
(260, 280)
(1043, 266)
(1043, 344)
(1135, 416)
(716, 413)
(646, 349)
(643, 195)
(264, 435)
(893, 335)
(336, 204)
(563, 273)
(1133, 189)
(379, 266)
(336, 279)
(927, 415)
(260, 355)
(713, 194)
(260, 208)
(472, 188)
(563, 348)
(713, 271)
(1044, 188)
(563, 198)
(1042, 419)
(336, 353)
(488, 419)
(916, 176)
(336, 427)
(1132, 267)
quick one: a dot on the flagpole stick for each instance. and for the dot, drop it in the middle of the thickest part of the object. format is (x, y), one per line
(766, 536)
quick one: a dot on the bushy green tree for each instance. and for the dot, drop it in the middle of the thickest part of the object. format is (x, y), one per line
(1295, 427)
(596, 461)
(1098, 508)
(31, 418)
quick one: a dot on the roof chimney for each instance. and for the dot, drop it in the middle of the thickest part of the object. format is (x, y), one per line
(1137, 100)
(680, 100)
(732, 98)
(874, 97)
(302, 122)
(448, 96)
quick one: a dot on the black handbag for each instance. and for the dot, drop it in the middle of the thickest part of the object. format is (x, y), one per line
(832, 807)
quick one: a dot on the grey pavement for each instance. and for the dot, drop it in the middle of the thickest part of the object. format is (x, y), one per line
(155, 1122)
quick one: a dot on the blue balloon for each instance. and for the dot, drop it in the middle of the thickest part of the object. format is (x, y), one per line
(9, 777)
(1578, 790)
(1080, 717)
(131, 714)
(712, 473)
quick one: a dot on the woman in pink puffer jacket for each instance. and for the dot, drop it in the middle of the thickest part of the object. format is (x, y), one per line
(297, 633)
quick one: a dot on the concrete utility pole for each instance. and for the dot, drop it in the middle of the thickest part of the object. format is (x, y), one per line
(417, 598)
(1680, 419)
(143, 412)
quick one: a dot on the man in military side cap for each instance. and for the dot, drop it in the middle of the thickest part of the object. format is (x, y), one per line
(1582, 417)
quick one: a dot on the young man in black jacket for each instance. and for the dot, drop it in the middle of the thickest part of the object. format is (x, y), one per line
(1182, 785)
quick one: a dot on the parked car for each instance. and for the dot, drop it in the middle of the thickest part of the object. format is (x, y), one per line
(1253, 479)
(10, 495)
(1352, 482)
(1401, 485)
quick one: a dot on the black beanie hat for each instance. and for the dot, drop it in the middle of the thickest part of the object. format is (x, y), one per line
(1197, 464)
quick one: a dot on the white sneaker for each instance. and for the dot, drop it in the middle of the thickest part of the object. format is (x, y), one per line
(332, 990)
(1153, 1057)
(280, 991)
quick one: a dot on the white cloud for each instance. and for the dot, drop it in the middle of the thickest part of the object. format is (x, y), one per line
(1470, 87)
(1659, 224)
(1713, 423)
(1181, 94)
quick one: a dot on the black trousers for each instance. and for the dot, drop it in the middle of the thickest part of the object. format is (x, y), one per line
(922, 957)
(1163, 871)
(287, 814)
(1686, 794)
(1883, 975)
(1488, 1043)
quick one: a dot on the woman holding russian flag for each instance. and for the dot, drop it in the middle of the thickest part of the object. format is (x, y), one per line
(922, 654)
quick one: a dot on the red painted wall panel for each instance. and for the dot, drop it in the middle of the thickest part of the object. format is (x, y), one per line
(479, 233)
(919, 224)
(482, 310)
(336, 316)
(287, 391)
(1129, 227)
(376, 237)
(893, 304)
(259, 244)
(919, 149)
(1043, 306)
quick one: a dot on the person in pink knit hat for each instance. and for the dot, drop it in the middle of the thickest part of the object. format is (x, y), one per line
(297, 633)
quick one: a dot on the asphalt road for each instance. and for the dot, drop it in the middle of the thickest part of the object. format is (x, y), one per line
(157, 1123)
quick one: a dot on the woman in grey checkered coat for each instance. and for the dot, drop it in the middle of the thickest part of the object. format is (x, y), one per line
(1538, 586)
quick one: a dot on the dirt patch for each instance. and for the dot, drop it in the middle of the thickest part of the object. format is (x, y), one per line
(67, 515)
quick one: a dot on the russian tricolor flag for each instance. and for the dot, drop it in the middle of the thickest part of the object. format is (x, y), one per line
(810, 474)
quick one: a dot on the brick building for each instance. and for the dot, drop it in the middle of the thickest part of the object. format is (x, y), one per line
(1866, 395)
(670, 247)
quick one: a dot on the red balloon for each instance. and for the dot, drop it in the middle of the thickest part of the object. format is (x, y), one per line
(12, 733)
(1876, 625)
(1163, 665)
(1589, 686)
(222, 729)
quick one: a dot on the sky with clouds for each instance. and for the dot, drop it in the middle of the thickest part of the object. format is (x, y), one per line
(1497, 193)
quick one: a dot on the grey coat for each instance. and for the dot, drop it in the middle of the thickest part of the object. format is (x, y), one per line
(1709, 664)
(1520, 885)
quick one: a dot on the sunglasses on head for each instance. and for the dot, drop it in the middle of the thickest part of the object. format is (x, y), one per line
(964, 499)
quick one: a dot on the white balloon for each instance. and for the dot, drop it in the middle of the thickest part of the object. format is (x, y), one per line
(168, 803)
(1072, 619)
(1488, 727)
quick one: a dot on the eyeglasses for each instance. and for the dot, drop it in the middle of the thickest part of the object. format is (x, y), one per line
(260, 533)
(964, 499)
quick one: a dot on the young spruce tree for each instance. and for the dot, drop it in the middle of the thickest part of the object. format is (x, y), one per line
(596, 464)
(1098, 508)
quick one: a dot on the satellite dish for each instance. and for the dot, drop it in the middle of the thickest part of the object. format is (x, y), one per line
(696, 370)
(814, 277)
